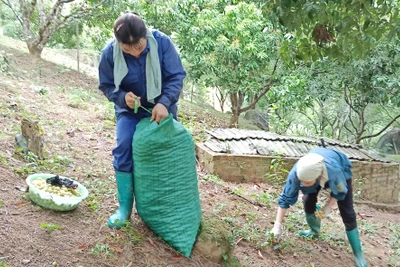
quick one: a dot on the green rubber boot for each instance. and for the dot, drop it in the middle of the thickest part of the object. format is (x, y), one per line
(354, 239)
(125, 199)
(315, 226)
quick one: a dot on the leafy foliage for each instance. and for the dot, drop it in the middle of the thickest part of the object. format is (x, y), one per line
(232, 48)
(41, 20)
(340, 29)
(347, 95)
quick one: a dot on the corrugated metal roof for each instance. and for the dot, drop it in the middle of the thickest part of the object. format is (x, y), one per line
(251, 142)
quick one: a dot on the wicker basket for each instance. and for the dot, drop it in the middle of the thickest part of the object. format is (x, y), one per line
(53, 202)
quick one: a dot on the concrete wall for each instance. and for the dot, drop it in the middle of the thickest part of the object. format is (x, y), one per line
(373, 181)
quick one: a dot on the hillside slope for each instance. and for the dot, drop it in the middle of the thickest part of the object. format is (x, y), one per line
(78, 127)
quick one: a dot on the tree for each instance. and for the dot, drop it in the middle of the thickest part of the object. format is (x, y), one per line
(41, 19)
(358, 99)
(341, 29)
(228, 45)
(287, 98)
(237, 46)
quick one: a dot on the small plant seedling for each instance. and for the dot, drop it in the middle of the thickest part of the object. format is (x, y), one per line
(50, 226)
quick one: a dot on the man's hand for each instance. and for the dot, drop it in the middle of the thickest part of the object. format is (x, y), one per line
(159, 113)
(277, 230)
(130, 100)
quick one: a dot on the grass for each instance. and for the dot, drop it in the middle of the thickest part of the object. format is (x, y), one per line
(233, 262)
(50, 227)
(265, 198)
(393, 157)
(105, 111)
(395, 244)
(57, 164)
(101, 187)
(92, 201)
(133, 235)
(368, 228)
(214, 178)
(80, 98)
(101, 249)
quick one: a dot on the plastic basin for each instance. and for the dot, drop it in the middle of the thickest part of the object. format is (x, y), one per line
(54, 202)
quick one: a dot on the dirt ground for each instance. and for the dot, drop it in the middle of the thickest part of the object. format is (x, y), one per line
(79, 136)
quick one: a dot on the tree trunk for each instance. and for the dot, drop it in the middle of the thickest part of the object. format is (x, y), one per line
(77, 47)
(221, 98)
(234, 122)
(48, 17)
(237, 99)
(34, 49)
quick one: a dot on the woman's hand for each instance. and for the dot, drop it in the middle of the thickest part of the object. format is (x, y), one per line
(130, 100)
(159, 113)
(277, 230)
(327, 209)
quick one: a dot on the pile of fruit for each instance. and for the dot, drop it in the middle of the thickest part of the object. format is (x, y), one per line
(61, 191)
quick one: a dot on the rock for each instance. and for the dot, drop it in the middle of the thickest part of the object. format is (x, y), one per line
(259, 118)
(389, 143)
(26, 261)
(214, 239)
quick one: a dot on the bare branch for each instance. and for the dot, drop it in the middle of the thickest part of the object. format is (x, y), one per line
(256, 99)
(275, 66)
(54, 21)
(381, 131)
(349, 101)
(7, 3)
(311, 120)
(325, 116)
(388, 113)
(350, 131)
(266, 89)
(350, 104)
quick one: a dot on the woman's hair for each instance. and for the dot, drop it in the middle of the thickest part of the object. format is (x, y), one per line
(129, 29)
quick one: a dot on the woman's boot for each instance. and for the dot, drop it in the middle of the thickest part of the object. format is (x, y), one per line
(354, 239)
(125, 199)
(315, 226)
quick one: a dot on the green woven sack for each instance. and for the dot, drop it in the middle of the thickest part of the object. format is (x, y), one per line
(165, 179)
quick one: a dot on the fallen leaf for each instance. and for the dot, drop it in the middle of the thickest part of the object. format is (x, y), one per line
(240, 239)
(117, 249)
(151, 242)
(260, 256)
(21, 203)
(82, 247)
(178, 257)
